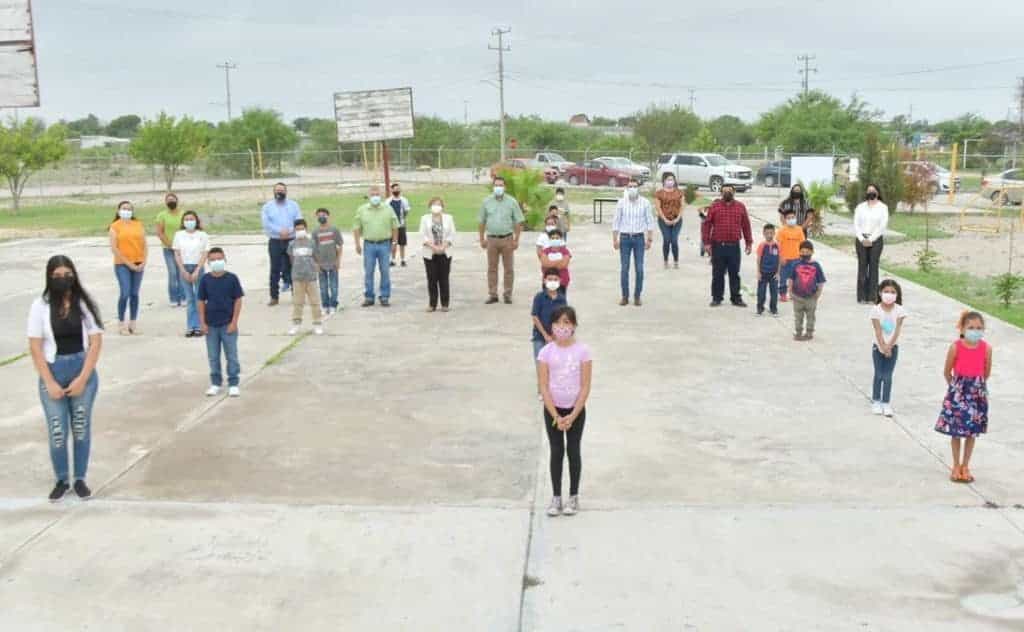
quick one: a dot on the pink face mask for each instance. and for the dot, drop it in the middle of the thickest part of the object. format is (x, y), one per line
(888, 298)
(562, 332)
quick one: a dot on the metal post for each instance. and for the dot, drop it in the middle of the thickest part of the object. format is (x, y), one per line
(952, 174)
(384, 159)
(502, 49)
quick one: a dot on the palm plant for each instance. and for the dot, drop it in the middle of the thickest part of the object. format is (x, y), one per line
(821, 197)
(528, 188)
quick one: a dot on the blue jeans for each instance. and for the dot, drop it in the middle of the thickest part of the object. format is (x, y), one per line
(881, 386)
(670, 239)
(129, 282)
(767, 284)
(377, 255)
(191, 290)
(217, 338)
(632, 245)
(784, 269)
(175, 289)
(73, 412)
(329, 288)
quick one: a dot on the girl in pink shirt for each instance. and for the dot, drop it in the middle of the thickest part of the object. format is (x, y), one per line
(964, 412)
(564, 368)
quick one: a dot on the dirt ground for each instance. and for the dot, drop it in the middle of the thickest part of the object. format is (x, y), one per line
(981, 254)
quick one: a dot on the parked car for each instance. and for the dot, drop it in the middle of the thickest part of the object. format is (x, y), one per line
(945, 178)
(776, 173)
(551, 159)
(620, 162)
(515, 164)
(938, 177)
(599, 173)
(1007, 187)
(705, 170)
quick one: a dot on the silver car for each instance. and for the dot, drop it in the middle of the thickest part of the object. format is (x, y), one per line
(1005, 188)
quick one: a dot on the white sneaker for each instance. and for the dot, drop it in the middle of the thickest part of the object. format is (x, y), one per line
(887, 410)
(876, 408)
(294, 330)
(212, 391)
(555, 508)
(174, 304)
(318, 330)
(572, 506)
(233, 391)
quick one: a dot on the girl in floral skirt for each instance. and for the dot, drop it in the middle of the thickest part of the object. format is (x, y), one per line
(965, 410)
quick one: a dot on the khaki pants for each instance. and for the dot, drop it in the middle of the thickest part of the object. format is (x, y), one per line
(303, 291)
(804, 307)
(500, 248)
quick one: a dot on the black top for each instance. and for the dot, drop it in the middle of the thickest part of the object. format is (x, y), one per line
(67, 330)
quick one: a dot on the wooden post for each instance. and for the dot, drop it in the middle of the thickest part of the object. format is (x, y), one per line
(387, 171)
(952, 174)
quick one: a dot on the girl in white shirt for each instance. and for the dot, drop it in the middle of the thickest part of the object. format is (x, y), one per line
(190, 245)
(65, 332)
(887, 318)
(870, 219)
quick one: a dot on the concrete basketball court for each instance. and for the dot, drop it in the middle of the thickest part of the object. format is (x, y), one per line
(392, 474)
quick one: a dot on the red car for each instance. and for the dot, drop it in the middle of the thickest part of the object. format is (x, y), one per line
(516, 164)
(599, 173)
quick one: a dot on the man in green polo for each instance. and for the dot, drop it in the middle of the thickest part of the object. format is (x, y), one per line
(501, 221)
(377, 225)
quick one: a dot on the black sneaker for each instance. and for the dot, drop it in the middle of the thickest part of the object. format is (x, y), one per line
(716, 303)
(59, 490)
(82, 489)
(739, 303)
(403, 263)
(190, 333)
(760, 312)
(392, 264)
(508, 300)
(197, 333)
(491, 300)
(368, 303)
(385, 302)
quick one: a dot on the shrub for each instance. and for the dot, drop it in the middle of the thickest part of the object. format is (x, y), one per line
(1006, 286)
(528, 188)
(690, 194)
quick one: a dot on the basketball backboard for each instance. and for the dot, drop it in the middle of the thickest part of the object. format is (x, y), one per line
(19, 85)
(374, 115)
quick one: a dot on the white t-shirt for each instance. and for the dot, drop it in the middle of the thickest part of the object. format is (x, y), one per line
(191, 245)
(887, 320)
(542, 240)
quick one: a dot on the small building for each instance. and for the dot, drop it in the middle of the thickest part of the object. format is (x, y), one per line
(89, 142)
(579, 120)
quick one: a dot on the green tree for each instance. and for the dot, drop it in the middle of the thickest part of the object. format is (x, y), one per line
(667, 128)
(25, 148)
(322, 146)
(125, 126)
(168, 143)
(731, 130)
(890, 177)
(88, 126)
(705, 141)
(240, 135)
(817, 123)
(303, 123)
(868, 172)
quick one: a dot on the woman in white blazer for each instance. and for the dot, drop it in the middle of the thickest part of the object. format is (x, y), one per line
(870, 220)
(437, 234)
(64, 336)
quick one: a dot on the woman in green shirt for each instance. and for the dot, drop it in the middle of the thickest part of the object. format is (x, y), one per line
(167, 223)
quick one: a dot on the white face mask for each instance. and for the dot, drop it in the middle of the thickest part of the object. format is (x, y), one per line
(437, 209)
(499, 190)
(124, 213)
(560, 197)
(791, 221)
(888, 297)
(552, 286)
(633, 192)
(550, 228)
(300, 234)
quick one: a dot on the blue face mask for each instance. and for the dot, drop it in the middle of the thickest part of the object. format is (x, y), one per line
(189, 224)
(218, 265)
(974, 335)
(556, 243)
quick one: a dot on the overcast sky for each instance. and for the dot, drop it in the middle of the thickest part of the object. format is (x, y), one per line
(111, 57)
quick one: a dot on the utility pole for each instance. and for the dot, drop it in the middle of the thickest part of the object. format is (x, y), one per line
(692, 98)
(502, 48)
(465, 112)
(807, 70)
(228, 67)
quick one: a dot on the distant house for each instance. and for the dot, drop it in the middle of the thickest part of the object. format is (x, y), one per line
(579, 120)
(89, 142)
(926, 139)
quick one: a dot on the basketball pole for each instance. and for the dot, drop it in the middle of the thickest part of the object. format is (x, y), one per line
(387, 170)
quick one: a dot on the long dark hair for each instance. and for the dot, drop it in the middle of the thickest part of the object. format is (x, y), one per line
(117, 210)
(887, 284)
(77, 292)
(877, 188)
(199, 223)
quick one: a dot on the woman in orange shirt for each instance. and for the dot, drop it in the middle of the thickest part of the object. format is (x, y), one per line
(128, 243)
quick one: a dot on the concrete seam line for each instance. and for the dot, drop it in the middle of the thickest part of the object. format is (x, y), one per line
(13, 359)
(188, 424)
(529, 535)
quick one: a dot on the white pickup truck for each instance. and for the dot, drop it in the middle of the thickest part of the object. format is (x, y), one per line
(551, 159)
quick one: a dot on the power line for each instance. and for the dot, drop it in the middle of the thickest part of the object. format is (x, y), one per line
(502, 48)
(807, 70)
(228, 67)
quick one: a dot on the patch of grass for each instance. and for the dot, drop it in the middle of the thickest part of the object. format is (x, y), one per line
(277, 357)
(913, 224)
(977, 292)
(88, 217)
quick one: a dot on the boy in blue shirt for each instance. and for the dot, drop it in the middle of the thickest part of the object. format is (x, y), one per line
(768, 262)
(806, 280)
(220, 303)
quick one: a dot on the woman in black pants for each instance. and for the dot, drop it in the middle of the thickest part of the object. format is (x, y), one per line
(437, 232)
(564, 369)
(870, 220)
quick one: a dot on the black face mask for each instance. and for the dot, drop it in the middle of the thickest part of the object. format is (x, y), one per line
(805, 257)
(280, 195)
(172, 205)
(61, 285)
(322, 219)
(396, 193)
(796, 195)
(872, 195)
(727, 197)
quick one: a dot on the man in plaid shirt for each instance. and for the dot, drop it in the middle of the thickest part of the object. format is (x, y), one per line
(727, 221)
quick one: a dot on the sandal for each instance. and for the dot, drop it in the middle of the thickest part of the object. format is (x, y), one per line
(954, 474)
(965, 475)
